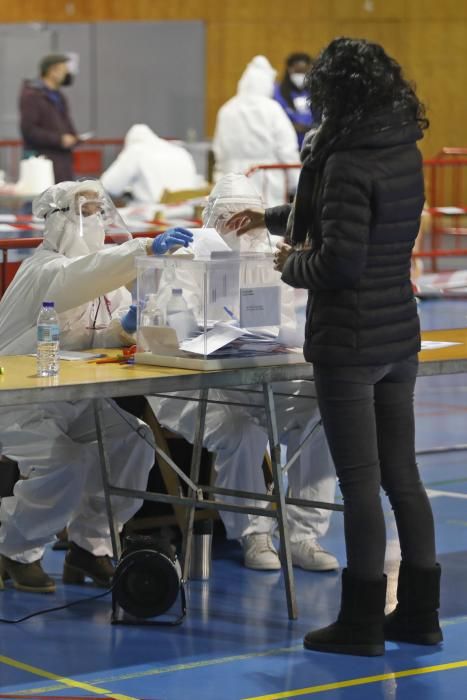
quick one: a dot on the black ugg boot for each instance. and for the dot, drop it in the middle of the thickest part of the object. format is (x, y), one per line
(415, 618)
(358, 629)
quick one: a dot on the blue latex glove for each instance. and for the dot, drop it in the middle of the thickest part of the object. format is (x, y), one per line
(170, 239)
(129, 320)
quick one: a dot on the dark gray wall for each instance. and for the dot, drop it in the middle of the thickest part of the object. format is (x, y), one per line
(130, 72)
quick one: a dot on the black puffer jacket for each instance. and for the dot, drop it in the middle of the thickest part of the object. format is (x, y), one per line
(365, 216)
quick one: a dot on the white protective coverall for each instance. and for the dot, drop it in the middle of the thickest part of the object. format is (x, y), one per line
(253, 129)
(238, 435)
(148, 165)
(55, 445)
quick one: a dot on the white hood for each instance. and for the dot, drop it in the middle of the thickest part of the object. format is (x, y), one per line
(141, 134)
(257, 79)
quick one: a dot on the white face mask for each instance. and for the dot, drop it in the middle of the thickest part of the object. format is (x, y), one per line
(298, 80)
(93, 232)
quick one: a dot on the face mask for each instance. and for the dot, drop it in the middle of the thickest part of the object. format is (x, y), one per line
(68, 80)
(93, 232)
(298, 80)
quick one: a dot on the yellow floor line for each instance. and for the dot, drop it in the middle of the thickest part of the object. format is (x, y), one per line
(312, 690)
(171, 669)
(69, 682)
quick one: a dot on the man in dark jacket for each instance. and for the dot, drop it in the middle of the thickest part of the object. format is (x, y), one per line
(46, 125)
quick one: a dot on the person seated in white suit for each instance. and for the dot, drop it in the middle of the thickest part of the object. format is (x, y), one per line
(55, 444)
(253, 129)
(238, 435)
(147, 165)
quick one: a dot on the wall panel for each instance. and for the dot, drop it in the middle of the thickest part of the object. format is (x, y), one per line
(427, 36)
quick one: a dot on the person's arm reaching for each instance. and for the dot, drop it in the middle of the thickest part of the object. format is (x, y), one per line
(79, 280)
(345, 223)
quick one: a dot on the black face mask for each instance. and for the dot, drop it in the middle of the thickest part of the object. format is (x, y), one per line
(68, 80)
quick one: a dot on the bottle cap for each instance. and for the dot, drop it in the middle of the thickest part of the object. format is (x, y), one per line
(177, 292)
(48, 304)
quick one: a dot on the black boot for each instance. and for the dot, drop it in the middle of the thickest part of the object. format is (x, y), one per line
(415, 618)
(359, 626)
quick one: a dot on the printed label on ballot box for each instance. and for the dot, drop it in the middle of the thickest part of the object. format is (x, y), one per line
(260, 306)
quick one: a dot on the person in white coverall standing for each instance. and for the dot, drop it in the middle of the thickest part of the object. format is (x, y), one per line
(147, 165)
(238, 435)
(55, 445)
(253, 129)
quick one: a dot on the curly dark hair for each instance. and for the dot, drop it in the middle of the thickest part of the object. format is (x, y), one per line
(354, 78)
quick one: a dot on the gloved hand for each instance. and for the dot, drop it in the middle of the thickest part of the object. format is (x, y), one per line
(170, 239)
(129, 320)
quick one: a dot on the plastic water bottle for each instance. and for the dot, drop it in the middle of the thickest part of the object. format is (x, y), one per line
(48, 334)
(152, 314)
(179, 317)
(176, 303)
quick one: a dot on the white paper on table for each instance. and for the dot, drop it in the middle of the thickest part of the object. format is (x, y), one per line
(75, 355)
(436, 344)
(222, 334)
(450, 210)
(260, 306)
(206, 241)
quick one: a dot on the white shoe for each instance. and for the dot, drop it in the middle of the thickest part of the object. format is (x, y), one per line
(259, 553)
(309, 555)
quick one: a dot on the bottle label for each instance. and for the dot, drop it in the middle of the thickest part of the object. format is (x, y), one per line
(48, 334)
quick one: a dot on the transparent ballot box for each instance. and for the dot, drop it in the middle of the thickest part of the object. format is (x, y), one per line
(223, 312)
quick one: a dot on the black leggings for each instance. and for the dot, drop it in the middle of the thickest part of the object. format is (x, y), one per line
(368, 417)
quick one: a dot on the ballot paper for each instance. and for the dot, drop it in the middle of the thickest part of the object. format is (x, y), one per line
(228, 339)
(206, 241)
(222, 334)
(436, 344)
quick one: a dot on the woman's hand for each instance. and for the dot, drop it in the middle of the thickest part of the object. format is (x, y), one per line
(246, 220)
(283, 250)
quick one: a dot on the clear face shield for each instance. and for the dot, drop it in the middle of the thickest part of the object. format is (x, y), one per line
(96, 217)
(218, 212)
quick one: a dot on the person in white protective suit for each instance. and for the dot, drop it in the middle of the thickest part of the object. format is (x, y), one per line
(147, 165)
(55, 445)
(238, 435)
(253, 129)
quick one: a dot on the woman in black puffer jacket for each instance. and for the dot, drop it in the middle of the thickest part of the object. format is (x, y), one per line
(350, 234)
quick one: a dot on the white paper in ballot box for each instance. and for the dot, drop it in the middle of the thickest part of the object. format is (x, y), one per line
(260, 306)
(207, 241)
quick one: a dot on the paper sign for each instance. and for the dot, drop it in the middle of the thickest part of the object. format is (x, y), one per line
(260, 306)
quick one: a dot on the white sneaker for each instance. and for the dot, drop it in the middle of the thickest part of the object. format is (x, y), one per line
(259, 552)
(309, 555)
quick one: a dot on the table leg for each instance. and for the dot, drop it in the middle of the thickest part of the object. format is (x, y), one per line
(275, 448)
(105, 472)
(194, 476)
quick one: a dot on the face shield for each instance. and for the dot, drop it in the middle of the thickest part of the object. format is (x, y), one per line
(78, 217)
(218, 212)
(95, 216)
